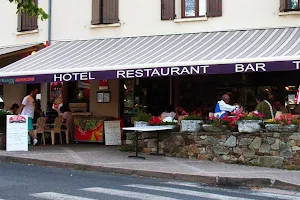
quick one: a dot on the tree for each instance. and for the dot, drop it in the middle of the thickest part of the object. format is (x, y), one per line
(30, 8)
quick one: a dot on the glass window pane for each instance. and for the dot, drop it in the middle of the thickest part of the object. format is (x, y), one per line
(293, 4)
(190, 8)
(202, 7)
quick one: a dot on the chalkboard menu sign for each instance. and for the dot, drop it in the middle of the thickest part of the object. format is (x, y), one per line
(17, 133)
(112, 132)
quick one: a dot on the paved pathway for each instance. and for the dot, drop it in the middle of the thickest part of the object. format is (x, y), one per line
(108, 157)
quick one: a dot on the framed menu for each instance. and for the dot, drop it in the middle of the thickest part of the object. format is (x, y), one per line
(112, 132)
(17, 133)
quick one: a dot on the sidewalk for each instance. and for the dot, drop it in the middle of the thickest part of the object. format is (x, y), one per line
(109, 159)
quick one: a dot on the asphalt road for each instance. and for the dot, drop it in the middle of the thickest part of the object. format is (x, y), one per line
(22, 182)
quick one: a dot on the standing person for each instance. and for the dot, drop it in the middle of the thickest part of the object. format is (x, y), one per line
(27, 108)
(264, 107)
(14, 109)
(223, 107)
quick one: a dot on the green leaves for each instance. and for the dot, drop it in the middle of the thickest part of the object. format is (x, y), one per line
(30, 8)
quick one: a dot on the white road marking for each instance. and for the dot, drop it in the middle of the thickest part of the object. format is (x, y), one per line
(254, 193)
(187, 192)
(279, 196)
(58, 196)
(128, 194)
(187, 184)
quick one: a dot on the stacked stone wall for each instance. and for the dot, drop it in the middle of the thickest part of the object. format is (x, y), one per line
(269, 149)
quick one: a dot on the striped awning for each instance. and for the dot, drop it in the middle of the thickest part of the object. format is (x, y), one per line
(11, 49)
(205, 48)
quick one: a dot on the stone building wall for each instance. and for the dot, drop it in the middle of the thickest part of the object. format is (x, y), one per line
(280, 150)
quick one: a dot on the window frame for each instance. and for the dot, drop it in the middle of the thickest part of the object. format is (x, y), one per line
(197, 3)
(289, 9)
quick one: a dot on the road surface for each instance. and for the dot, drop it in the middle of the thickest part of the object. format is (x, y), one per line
(23, 182)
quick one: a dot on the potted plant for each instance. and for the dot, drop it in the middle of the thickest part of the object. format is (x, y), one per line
(216, 124)
(191, 123)
(3, 115)
(167, 121)
(284, 123)
(142, 118)
(249, 123)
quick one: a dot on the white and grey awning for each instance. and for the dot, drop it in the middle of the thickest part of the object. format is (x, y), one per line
(149, 52)
(11, 49)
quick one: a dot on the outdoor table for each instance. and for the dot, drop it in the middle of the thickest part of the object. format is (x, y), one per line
(142, 129)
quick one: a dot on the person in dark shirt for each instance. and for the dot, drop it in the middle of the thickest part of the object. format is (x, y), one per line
(37, 112)
(51, 114)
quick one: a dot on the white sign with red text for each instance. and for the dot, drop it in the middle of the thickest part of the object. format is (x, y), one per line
(17, 133)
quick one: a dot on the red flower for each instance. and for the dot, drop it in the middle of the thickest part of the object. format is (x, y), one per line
(289, 122)
(198, 114)
(155, 121)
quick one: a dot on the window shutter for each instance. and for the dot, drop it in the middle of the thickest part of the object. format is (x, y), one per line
(214, 8)
(96, 14)
(283, 5)
(26, 22)
(110, 11)
(167, 9)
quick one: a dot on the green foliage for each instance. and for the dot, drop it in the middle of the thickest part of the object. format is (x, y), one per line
(192, 117)
(141, 115)
(30, 8)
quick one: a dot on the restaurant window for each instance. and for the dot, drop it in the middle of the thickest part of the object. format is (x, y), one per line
(201, 8)
(289, 5)
(27, 22)
(105, 12)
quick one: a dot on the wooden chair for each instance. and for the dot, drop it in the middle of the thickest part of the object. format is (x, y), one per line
(57, 129)
(40, 127)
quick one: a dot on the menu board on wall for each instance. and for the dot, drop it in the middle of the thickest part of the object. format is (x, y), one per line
(16, 133)
(112, 132)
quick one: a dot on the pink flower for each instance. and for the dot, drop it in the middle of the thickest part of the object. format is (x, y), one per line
(289, 122)
(184, 113)
(281, 123)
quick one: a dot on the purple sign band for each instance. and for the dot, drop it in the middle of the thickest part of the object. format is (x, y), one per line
(155, 72)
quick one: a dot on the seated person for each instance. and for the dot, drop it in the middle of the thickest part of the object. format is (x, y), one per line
(168, 112)
(223, 107)
(264, 107)
(14, 109)
(277, 107)
(180, 112)
(51, 114)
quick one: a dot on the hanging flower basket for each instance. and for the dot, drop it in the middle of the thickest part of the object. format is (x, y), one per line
(249, 126)
(279, 128)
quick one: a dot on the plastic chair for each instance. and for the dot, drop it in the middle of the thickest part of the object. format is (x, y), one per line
(40, 127)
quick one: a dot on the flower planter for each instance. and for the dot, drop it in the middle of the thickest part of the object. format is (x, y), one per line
(279, 128)
(214, 129)
(191, 125)
(249, 126)
(2, 141)
(140, 124)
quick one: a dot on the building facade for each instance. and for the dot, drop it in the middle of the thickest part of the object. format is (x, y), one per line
(81, 20)
(90, 19)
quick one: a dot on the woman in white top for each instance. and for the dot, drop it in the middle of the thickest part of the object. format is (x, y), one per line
(67, 120)
(168, 112)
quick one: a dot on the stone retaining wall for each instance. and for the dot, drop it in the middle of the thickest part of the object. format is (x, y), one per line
(280, 150)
